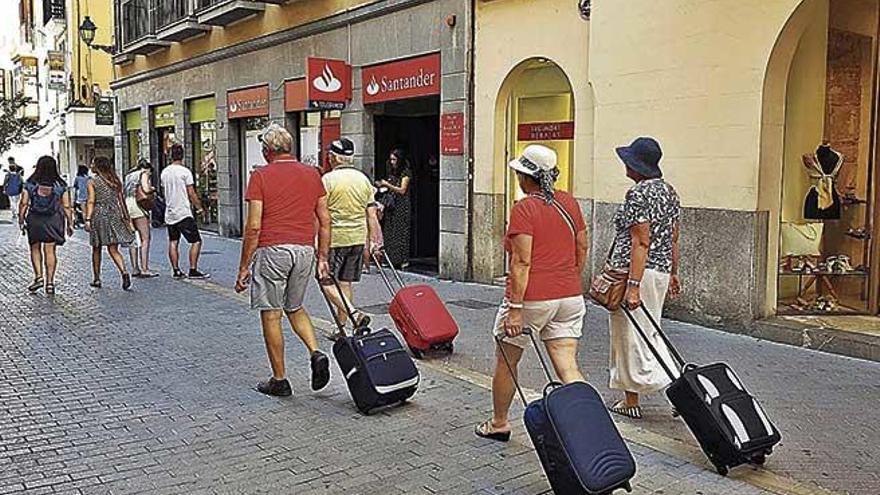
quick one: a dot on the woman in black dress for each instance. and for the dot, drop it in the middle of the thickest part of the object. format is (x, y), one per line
(44, 211)
(396, 212)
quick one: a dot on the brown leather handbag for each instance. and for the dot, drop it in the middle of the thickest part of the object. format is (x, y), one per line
(608, 288)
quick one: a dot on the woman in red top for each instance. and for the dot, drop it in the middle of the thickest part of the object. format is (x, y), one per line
(547, 243)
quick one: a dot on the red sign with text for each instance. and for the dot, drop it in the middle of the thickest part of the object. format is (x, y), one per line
(329, 83)
(452, 134)
(546, 131)
(250, 102)
(402, 79)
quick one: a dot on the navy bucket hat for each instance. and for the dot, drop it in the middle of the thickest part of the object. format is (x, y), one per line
(642, 156)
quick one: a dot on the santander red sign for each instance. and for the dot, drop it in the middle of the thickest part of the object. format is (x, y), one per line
(329, 83)
(398, 80)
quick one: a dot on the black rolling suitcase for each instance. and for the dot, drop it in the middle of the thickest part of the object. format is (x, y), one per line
(728, 423)
(378, 370)
(578, 444)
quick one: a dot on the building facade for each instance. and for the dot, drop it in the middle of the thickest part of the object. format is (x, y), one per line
(737, 93)
(212, 73)
(64, 78)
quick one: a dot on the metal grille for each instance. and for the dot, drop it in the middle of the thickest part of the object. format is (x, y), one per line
(171, 11)
(135, 20)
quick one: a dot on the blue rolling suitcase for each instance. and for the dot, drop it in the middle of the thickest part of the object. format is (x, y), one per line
(580, 449)
(377, 369)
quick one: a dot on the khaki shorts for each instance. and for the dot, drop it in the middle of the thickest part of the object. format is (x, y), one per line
(280, 276)
(554, 319)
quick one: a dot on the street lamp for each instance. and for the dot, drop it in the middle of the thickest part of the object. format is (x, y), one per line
(87, 33)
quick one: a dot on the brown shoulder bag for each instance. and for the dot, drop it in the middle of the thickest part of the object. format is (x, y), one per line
(608, 288)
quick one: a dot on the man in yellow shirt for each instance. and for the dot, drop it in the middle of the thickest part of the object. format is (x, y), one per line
(350, 199)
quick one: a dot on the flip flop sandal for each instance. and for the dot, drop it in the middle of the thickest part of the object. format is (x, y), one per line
(482, 431)
(35, 285)
(632, 412)
(50, 289)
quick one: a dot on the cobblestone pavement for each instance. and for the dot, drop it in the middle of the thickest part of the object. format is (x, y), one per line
(824, 404)
(103, 391)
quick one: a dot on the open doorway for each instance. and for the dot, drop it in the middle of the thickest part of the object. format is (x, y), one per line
(413, 126)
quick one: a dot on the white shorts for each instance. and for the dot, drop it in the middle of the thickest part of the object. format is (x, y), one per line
(553, 319)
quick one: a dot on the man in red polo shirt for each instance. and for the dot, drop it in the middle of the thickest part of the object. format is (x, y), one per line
(278, 254)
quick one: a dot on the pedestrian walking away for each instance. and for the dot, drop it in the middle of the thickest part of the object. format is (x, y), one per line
(547, 244)
(353, 220)
(139, 183)
(646, 244)
(395, 199)
(81, 195)
(13, 184)
(286, 202)
(107, 220)
(180, 194)
(44, 212)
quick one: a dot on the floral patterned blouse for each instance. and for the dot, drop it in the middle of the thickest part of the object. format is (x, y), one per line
(651, 201)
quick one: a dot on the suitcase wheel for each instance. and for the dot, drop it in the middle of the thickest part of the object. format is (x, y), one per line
(759, 460)
(449, 347)
(416, 353)
(722, 470)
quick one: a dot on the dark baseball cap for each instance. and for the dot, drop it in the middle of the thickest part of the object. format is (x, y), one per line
(342, 147)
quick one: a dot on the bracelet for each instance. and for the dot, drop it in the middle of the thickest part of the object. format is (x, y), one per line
(633, 283)
(513, 305)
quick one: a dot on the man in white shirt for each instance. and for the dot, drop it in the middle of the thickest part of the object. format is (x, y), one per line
(180, 195)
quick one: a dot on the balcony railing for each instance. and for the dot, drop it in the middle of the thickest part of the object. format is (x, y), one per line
(136, 20)
(170, 11)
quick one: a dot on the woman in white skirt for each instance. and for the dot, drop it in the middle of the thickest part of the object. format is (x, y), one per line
(646, 243)
(140, 219)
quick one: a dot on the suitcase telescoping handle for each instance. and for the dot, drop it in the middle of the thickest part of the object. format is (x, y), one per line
(332, 308)
(551, 383)
(675, 354)
(380, 257)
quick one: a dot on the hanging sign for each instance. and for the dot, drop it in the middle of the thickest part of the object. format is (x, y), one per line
(546, 131)
(104, 111)
(452, 134)
(250, 102)
(329, 83)
(55, 61)
(402, 79)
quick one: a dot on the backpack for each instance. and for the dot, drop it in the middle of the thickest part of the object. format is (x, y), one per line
(44, 199)
(13, 184)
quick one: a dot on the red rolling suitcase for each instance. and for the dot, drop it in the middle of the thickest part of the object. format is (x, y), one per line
(418, 312)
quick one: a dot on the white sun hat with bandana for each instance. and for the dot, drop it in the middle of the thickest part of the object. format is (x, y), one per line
(534, 160)
(538, 162)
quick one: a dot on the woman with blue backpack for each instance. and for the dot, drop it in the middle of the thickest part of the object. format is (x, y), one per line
(46, 215)
(13, 183)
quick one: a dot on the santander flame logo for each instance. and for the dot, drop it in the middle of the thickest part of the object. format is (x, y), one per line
(373, 87)
(327, 81)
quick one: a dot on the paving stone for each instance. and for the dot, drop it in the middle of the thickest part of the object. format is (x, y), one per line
(152, 392)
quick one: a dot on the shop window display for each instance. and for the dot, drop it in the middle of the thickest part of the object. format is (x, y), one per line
(205, 164)
(826, 229)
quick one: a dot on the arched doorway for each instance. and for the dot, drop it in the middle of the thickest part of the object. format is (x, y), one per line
(818, 179)
(535, 105)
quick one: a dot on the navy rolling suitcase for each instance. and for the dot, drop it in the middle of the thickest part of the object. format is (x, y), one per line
(377, 369)
(580, 449)
(727, 421)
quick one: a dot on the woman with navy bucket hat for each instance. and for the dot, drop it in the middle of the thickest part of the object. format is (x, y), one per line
(646, 244)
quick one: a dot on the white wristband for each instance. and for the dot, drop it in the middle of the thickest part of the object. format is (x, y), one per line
(513, 305)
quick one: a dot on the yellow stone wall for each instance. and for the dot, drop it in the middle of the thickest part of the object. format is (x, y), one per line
(275, 18)
(94, 65)
(690, 73)
(504, 39)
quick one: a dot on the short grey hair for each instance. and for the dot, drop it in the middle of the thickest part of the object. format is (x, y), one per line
(277, 139)
(346, 160)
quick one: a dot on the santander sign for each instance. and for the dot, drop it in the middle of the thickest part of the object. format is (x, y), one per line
(398, 80)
